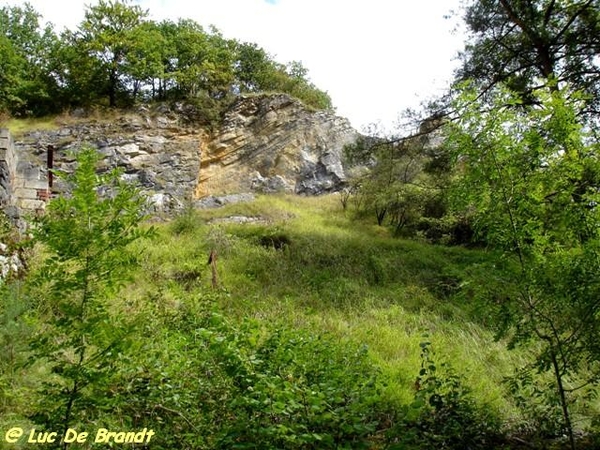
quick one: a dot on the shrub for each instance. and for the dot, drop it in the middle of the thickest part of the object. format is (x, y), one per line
(186, 222)
(86, 237)
(443, 415)
(296, 390)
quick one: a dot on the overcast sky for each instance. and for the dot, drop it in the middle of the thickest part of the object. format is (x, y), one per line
(374, 57)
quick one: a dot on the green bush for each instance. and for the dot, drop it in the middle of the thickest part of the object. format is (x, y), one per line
(443, 414)
(295, 390)
(447, 230)
(186, 222)
(86, 239)
(244, 386)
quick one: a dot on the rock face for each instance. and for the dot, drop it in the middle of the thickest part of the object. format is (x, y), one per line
(274, 144)
(158, 153)
(10, 263)
(265, 144)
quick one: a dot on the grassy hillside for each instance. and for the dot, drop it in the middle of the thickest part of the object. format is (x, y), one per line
(323, 332)
(340, 276)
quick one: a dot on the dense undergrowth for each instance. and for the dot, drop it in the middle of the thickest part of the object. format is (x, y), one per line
(323, 332)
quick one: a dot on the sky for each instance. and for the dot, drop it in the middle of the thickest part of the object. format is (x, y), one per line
(375, 58)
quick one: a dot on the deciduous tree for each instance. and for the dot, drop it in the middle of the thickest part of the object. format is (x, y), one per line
(530, 177)
(108, 35)
(85, 237)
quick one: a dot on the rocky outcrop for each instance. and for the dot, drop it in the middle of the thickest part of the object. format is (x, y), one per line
(11, 263)
(155, 151)
(267, 143)
(275, 144)
(213, 201)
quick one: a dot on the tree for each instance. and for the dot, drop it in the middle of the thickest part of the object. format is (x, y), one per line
(144, 62)
(530, 177)
(294, 80)
(404, 184)
(80, 78)
(528, 44)
(86, 237)
(253, 67)
(119, 55)
(26, 84)
(107, 34)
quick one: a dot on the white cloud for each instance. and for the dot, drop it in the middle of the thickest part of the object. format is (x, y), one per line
(374, 57)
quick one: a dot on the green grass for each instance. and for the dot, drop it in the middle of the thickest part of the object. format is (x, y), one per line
(18, 127)
(344, 277)
(310, 277)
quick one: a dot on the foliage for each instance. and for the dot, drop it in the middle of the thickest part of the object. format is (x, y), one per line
(540, 403)
(210, 383)
(531, 177)
(186, 221)
(120, 56)
(443, 414)
(25, 58)
(85, 237)
(108, 35)
(294, 390)
(319, 340)
(404, 186)
(523, 44)
(14, 333)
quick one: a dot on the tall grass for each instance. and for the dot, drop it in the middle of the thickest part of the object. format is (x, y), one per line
(345, 277)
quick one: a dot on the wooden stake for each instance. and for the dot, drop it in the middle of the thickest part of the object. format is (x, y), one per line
(212, 261)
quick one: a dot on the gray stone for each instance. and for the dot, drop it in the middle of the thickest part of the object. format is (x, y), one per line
(79, 113)
(216, 202)
(12, 212)
(238, 220)
(281, 140)
(162, 122)
(163, 203)
(265, 143)
(270, 185)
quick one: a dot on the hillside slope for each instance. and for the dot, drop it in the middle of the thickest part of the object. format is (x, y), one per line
(303, 261)
(283, 323)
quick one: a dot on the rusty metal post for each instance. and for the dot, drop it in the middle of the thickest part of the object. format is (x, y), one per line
(50, 163)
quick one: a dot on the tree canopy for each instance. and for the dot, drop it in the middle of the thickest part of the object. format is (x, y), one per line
(526, 44)
(117, 56)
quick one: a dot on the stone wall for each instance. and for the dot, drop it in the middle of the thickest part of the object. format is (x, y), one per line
(157, 153)
(7, 167)
(23, 184)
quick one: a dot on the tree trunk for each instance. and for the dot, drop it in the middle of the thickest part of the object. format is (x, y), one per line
(112, 89)
(380, 215)
(563, 399)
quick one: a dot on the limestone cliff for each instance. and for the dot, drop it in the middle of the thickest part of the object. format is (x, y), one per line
(265, 143)
(154, 150)
(274, 143)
